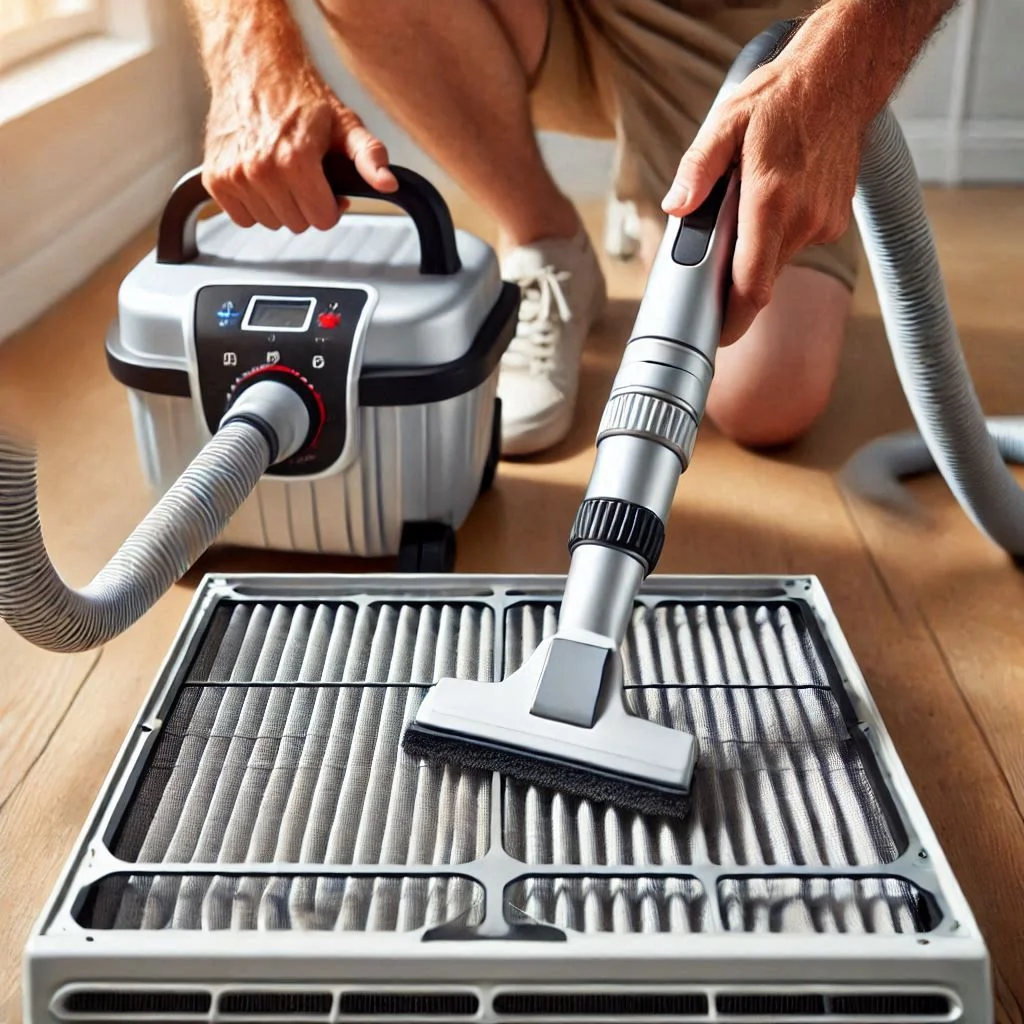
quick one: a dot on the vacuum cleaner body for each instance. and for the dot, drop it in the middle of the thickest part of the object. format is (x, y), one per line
(399, 365)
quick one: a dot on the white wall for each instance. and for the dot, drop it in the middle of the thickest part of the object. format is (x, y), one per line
(962, 107)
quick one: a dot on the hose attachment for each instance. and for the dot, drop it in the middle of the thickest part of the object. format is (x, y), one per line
(37, 603)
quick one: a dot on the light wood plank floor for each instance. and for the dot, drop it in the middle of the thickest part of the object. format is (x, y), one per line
(934, 613)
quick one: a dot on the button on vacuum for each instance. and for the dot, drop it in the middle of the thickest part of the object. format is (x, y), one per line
(228, 315)
(691, 244)
(328, 320)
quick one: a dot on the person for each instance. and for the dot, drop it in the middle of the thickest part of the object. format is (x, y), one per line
(472, 81)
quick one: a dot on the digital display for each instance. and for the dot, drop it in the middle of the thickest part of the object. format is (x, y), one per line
(279, 314)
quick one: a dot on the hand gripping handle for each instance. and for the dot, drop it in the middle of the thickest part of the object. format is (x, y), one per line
(176, 237)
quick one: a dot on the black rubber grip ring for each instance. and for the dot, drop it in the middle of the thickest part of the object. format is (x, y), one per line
(263, 427)
(620, 524)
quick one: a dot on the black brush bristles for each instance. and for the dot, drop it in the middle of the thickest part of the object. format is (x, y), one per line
(569, 777)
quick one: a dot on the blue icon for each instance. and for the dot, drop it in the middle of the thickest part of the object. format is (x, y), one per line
(228, 315)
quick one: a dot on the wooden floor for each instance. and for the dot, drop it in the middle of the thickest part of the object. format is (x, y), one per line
(933, 612)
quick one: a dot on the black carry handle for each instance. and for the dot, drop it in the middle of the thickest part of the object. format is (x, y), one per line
(439, 254)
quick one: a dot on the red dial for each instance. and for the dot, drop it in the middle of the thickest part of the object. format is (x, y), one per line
(328, 320)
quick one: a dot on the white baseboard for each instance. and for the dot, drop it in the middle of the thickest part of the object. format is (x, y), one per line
(992, 151)
(984, 152)
(29, 288)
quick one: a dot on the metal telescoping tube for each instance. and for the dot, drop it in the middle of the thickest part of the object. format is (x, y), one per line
(656, 405)
(650, 422)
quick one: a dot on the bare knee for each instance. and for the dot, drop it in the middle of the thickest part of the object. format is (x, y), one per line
(775, 382)
(746, 412)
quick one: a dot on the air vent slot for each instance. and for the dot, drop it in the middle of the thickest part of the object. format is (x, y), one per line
(775, 1004)
(601, 1004)
(119, 1002)
(418, 1004)
(278, 1004)
(891, 1004)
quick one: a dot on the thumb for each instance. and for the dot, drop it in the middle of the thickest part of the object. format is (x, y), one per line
(366, 151)
(710, 155)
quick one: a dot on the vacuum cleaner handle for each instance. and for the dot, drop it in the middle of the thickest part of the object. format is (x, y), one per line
(439, 254)
(649, 428)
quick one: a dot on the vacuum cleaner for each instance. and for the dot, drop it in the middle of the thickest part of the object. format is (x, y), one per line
(331, 392)
(577, 834)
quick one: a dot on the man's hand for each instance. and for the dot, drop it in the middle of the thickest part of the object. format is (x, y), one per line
(795, 127)
(272, 119)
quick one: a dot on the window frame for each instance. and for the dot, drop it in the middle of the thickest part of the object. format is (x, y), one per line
(49, 31)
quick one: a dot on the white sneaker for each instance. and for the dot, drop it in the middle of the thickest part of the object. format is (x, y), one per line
(563, 295)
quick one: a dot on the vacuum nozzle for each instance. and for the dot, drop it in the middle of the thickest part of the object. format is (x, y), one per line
(578, 736)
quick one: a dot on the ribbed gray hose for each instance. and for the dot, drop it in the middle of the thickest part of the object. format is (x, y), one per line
(874, 471)
(968, 451)
(40, 606)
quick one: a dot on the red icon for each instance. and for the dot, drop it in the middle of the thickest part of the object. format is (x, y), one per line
(328, 320)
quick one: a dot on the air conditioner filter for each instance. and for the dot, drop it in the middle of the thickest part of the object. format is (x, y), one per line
(264, 850)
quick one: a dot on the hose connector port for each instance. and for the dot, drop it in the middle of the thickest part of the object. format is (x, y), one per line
(282, 404)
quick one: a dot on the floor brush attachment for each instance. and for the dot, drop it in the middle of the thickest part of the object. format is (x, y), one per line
(561, 720)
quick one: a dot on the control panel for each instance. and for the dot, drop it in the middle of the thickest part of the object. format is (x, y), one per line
(300, 336)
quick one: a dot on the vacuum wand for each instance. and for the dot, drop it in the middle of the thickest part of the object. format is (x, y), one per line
(561, 719)
(647, 433)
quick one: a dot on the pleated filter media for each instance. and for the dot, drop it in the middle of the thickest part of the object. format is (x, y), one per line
(272, 797)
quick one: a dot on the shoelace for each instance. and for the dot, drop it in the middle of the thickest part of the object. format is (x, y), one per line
(534, 344)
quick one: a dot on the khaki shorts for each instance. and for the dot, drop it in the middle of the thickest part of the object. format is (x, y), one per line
(644, 73)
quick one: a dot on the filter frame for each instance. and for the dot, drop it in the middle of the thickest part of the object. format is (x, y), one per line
(950, 957)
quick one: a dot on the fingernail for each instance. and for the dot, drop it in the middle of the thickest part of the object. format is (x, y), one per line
(676, 197)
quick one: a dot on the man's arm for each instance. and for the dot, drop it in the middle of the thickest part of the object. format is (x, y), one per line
(796, 127)
(272, 118)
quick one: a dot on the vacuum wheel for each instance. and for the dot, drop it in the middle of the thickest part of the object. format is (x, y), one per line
(494, 453)
(427, 547)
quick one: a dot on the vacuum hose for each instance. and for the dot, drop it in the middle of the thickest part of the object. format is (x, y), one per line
(966, 449)
(267, 423)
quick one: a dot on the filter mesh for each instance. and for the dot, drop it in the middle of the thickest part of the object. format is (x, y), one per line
(315, 773)
(283, 748)
(861, 906)
(275, 903)
(684, 644)
(627, 905)
(780, 781)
